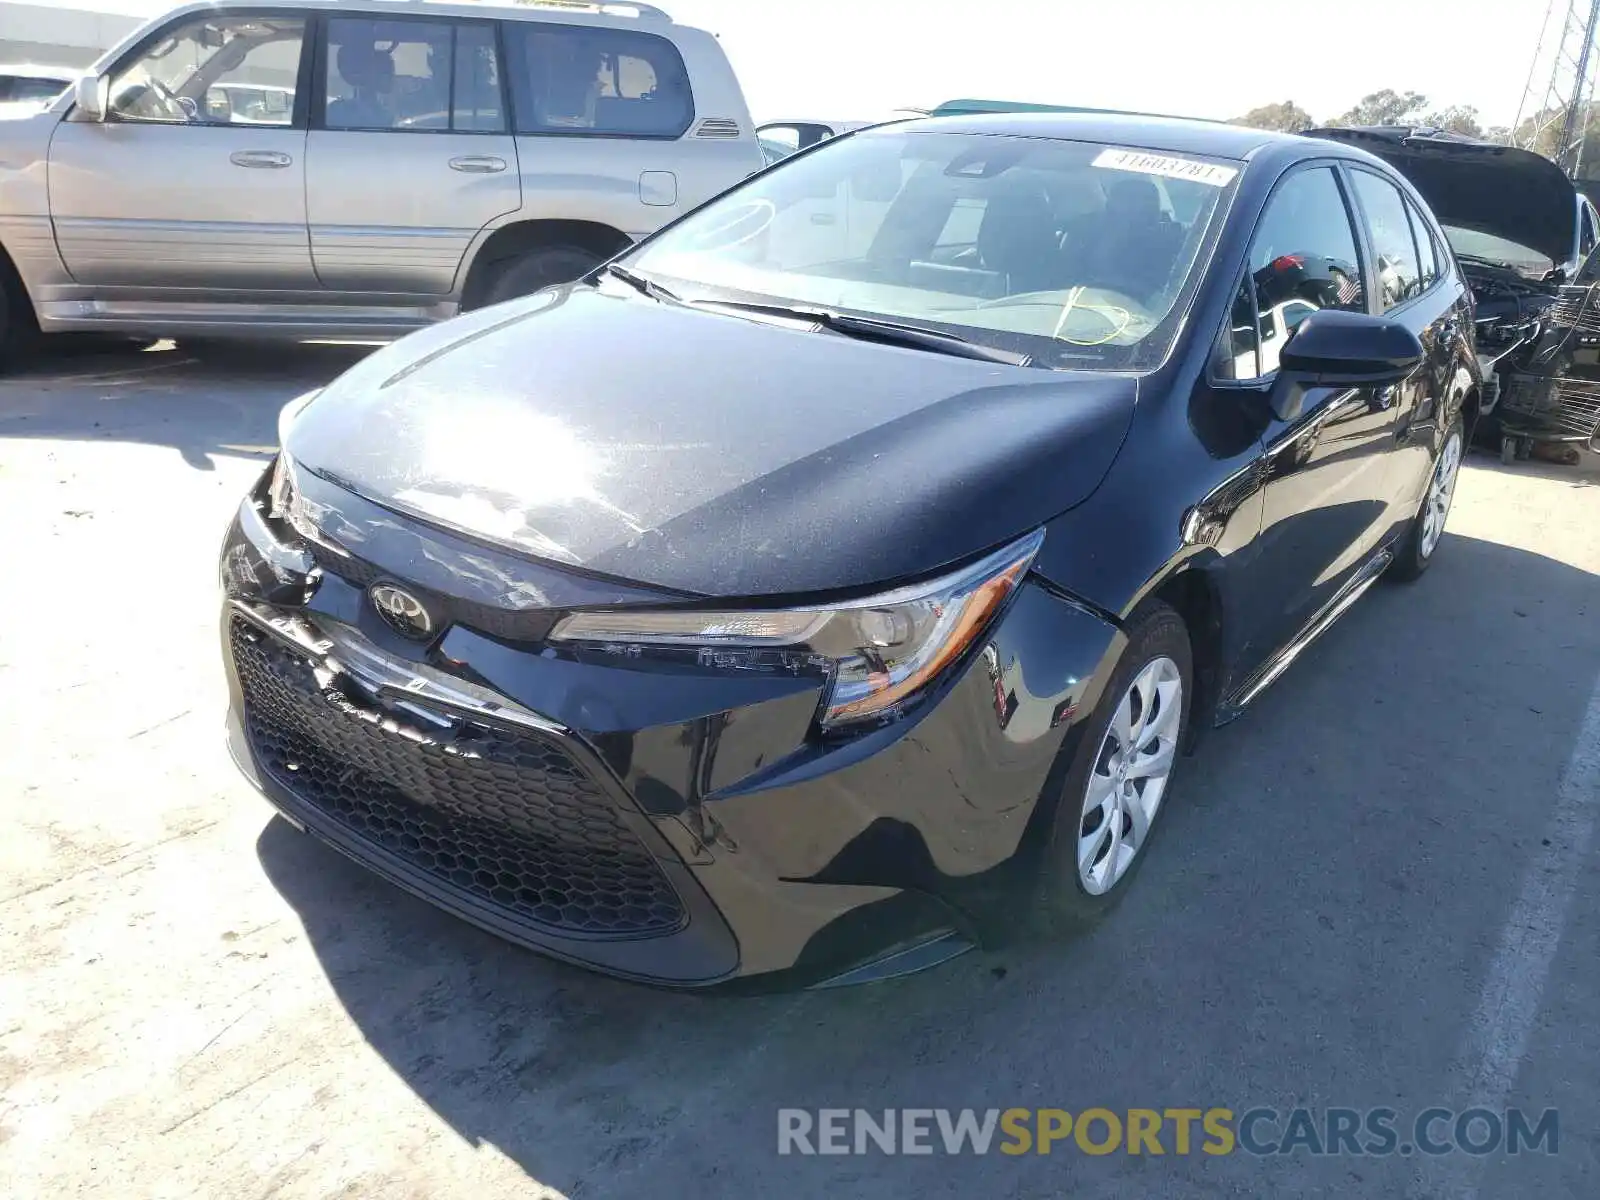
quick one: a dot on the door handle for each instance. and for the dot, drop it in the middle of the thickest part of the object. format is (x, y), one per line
(271, 159)
(478, 164)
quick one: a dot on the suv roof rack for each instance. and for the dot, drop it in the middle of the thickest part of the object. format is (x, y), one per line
(966, 108)
(609, 8)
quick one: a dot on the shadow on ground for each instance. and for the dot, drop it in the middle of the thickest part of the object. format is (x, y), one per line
(222, 398)
(1327, 890)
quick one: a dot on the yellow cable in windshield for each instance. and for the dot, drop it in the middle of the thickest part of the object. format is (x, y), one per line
(1121, 321)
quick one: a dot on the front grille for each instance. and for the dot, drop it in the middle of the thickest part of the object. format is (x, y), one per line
(1577, 310)
(1556, 407)
(509, 624)
(503, 819)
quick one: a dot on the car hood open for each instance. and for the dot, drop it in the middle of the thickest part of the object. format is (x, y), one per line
(1501, 190)
(708, 453)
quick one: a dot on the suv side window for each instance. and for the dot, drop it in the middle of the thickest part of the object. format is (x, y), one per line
(578, 79)
(412, 75)
(1303, 258)
(214, 71)
(1392, 240)
(1427, 249)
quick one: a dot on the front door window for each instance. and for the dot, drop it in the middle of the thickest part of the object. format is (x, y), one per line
(1303, 258)
(214, 71)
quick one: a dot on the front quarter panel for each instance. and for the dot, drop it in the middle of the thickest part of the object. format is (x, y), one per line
(1185, 494)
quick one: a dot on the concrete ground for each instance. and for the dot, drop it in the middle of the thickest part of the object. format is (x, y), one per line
(1376, 890)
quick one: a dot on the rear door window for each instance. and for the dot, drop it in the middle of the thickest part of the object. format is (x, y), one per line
(1392, 240)
(1427, 249)
(412, 76)
(583, 80)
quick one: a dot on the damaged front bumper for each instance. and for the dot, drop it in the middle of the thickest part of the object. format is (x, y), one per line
(676, 823)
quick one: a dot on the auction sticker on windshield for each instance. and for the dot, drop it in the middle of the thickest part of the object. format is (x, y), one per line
(1166, 166)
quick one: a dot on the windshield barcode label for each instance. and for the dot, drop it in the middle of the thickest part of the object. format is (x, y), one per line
(1166, 165)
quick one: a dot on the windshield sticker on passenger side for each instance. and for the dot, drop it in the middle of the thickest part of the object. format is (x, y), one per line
(1166, 166)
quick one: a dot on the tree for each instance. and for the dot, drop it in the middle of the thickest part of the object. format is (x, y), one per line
(1287, 117)
(1458, 118)
(1385, 107)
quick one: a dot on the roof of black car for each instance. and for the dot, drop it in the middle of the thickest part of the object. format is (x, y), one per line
(1174, 134)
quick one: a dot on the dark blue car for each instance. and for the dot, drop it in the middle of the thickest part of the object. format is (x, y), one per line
(843, 574)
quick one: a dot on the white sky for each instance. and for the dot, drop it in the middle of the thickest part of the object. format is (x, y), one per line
(860, 59)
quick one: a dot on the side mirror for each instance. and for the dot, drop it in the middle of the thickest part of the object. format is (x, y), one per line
(92, 95)
(1335, 348)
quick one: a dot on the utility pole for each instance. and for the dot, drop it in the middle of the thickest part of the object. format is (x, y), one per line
(1561, 84)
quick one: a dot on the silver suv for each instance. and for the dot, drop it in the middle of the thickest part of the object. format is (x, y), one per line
(356, 168)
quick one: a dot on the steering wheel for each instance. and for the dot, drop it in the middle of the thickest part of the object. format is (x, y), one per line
(171, 101)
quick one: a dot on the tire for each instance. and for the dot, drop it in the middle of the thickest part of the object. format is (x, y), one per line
(1158, 648)
(1508, 451)
(1420, 542)
(19, 333)
(538, 269)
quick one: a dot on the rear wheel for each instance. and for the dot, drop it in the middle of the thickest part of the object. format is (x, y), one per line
(538, 269)
(1117, 789)
(1426, 530)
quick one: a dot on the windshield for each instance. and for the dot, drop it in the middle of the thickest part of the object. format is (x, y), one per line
(1076, 254)
(1474, 243)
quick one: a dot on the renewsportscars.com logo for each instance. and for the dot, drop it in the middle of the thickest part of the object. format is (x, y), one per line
(1372, 1132)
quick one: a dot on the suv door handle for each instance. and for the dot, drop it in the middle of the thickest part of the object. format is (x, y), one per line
(260, 158)
(478, 164)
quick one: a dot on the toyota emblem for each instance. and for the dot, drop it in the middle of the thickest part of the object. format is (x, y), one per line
(402, 611)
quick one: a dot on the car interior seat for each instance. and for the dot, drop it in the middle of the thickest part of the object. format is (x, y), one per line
(1132, 247)
(1018, 240)
(370, 74)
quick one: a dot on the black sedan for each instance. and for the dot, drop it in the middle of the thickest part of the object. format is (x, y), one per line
(843, 574)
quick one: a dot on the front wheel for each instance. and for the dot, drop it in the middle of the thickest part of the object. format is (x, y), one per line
(1423, 535)
(1117, 788)
(18, 332)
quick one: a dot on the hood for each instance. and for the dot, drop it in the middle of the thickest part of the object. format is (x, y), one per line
(708, 453)
(1501, 190)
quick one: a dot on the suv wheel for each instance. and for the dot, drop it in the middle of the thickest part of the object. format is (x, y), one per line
(1118, 786)
(528, 273)
(18, 333)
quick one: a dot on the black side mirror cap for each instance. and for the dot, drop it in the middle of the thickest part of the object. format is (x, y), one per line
(1335, 348)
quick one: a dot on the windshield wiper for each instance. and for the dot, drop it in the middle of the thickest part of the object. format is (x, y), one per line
(871, 329)
(643, 284)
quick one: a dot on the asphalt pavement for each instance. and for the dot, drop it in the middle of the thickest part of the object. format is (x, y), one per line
(1376, 891)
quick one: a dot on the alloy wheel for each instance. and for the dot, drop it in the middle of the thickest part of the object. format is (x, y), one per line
(1441, 491)
(1130, 776)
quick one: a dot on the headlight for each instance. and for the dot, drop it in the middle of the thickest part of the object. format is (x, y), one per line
(286, 504)
(882, 650)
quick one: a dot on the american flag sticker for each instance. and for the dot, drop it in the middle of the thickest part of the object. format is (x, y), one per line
(1167, 166)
